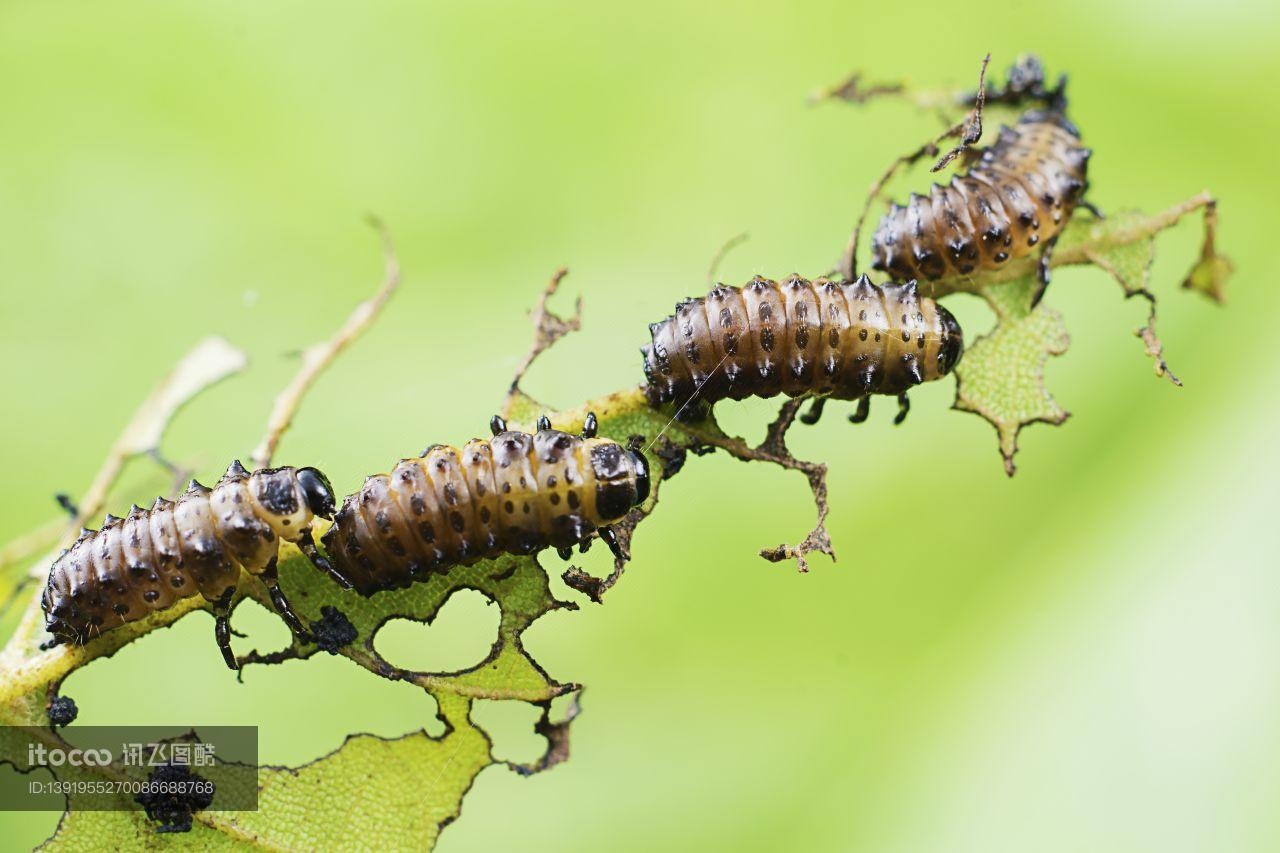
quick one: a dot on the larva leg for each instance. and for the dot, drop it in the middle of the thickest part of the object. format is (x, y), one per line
(590, 427)
(864, 410)
(222, 628)
(815, 411)
(904, 406)
(307, 545)
(497, 424)
(565, 553)
(693, 411)
(585, 546)
(611, 539)
(1042, 271)
(272, 581)
(1092, 208)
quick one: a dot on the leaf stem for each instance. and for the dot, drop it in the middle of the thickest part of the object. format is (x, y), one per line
(319, 356)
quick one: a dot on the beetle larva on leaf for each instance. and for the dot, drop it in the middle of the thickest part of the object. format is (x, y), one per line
(515, 493)
(197, 544)
(845, 340)
(1015, 200)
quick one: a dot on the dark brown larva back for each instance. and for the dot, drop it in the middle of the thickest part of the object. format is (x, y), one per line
(823, 338)
(146, 561)
(514, 493)
(1018, 196)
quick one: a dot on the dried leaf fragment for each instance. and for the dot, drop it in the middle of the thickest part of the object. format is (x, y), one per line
(1209, 275)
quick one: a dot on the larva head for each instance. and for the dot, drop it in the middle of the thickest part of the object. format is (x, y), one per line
(951, 345)
(318, 492)
(642, 476)
(622, 479)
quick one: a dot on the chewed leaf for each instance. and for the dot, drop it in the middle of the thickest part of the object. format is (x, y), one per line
(372, 791)
(1001, 377)
(381, 791)
(517, 585)
(1130, 265)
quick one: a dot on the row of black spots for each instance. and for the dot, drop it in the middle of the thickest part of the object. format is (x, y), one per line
(690, 354)
(581, 485)
(835, 324)
(800, 338)
(567, 497)
(365, 551)
(520, 516)
(956, 229)
(992, 221)
(133, 566)
(1049, 161)
(421, 519)
(1019, 194)
(964, 226)
(736, 342)
(143, 563)
(93, 587)
(515, 493)
(345, 550)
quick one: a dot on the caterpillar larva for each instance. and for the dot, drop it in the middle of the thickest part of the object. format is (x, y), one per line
(513, 493)
(844, 340)
(1015, 200)
(144, 562)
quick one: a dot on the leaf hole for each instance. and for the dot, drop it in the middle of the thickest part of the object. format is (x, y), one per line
(303, 709)
(509, 724)
(461, 636)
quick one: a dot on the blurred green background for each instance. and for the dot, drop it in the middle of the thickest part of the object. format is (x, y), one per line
(1084, 657)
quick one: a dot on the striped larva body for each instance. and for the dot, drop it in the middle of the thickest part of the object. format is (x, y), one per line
(195, 545)
(515, 493)
(1015, 200)
(844, 340)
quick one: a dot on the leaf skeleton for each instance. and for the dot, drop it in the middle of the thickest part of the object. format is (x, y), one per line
(843, 340)
(514, 493)
(196, 545)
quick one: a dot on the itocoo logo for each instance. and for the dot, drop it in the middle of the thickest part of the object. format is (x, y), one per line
(40, 755)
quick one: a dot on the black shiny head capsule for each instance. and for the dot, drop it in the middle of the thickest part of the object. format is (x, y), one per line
(642, 476)
(319, 493)
(952, 342)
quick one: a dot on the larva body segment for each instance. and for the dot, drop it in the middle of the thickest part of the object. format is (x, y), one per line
(822, 338)
(196, 545)
(1014, 201)
(515, 493)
